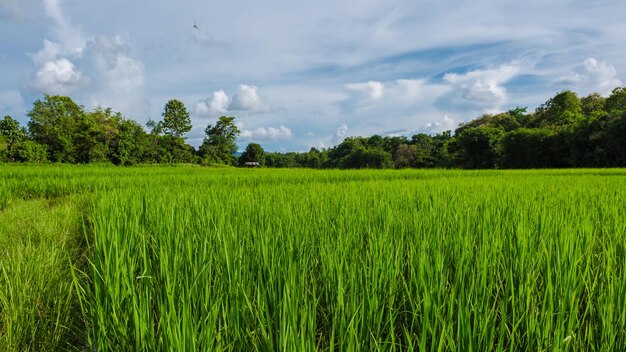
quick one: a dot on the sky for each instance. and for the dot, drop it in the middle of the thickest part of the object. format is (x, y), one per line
(302, 74)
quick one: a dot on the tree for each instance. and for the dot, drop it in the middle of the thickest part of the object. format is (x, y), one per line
(133, 144)
(424, 149)
(220, 142)
(564, 109)
(529, 148)
(13, 133)
(176, 121)
(96, 135)
(30, 152)
(480, 147)
(592, 105)
(405, 156)
(253, 153)
(55, 122)
(616, 102)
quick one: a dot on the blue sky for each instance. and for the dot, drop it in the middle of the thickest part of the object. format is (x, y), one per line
(301, 74)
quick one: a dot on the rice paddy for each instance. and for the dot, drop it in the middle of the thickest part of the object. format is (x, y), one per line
(196, 259)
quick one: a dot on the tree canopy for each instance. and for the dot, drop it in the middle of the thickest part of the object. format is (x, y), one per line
(565, 131)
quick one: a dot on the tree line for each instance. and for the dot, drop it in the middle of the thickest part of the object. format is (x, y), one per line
(565, 131)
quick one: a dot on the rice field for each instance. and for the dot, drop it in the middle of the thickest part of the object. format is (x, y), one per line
(197, 259)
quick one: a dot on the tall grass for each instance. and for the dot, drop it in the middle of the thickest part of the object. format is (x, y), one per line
(300, 260)
(190, 259)
(38, 307)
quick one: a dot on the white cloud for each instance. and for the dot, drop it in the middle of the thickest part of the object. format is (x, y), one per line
(248, 98)
(218, 104)
(592, 75)
(342, 130)
(101, 66)
(266, 133)
(70, 36)
(371, 90)
(484, 86)
(340, 134)
(58, 77)
(49, 51)
(444, 124)
(118, 78)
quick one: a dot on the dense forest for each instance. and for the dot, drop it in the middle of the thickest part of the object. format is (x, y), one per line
(565, 131)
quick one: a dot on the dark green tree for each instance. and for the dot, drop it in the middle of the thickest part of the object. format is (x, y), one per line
(405, 156)
(616, 102)
(253, 153)
(424, 149)
(592, 105)
(529, 148)
(479, 147)
(12, 132)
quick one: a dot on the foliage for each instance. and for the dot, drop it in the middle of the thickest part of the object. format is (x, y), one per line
(57, 122)
(565, 131)
(220, 143)
(12, 132)
(480, 147)
(30, 152)
(176, 121)
(196, 259)
(253, 153)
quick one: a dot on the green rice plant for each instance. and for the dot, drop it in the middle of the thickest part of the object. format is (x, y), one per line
(196, 259)
(289, 260)
(38, 309)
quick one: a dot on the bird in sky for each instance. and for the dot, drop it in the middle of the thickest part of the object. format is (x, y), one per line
(195, 25)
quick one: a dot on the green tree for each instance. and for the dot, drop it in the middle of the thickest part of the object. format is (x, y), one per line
(133, 144)
(30, 152)
(253, 153)
(479, 147)
(405, 156)
(529, 148)
(424, 149)
(176, 121)
(616, 102)
(96, 136)
(12, 132)
(55, 122)
(592, 105)
(220, 143)
(564, 109)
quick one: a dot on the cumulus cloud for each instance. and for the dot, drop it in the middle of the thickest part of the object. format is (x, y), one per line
(248, 98)
(371, 90)
(266, 134)
(594, 74)
(217, 104)
(483, 85)
(400, 93)
(446, 123)
(100, 69)
(478, 90)
(118, 77)
(70, 36)
(340, 134)
(58, 77)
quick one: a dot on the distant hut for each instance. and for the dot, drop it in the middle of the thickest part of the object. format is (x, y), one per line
(251, 164)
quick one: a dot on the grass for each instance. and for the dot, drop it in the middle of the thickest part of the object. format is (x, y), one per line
(228, 259)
